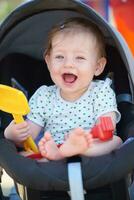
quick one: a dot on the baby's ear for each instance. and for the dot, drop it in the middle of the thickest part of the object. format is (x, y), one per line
(100, 66)
(46, 58)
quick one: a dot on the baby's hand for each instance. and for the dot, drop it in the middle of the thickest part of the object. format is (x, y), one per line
(17, 132)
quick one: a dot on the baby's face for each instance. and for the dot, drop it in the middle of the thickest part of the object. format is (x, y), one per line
(72, 62)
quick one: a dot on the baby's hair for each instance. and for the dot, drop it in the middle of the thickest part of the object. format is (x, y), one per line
(75, 25)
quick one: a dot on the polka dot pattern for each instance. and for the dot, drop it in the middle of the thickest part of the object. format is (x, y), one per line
(58, 116)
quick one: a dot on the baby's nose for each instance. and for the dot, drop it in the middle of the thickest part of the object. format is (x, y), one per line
(69, 63)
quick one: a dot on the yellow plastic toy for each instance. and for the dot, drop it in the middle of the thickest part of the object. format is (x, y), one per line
(14, 101)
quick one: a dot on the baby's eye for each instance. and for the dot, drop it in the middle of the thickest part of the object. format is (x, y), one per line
(80, 58)
(59, 57)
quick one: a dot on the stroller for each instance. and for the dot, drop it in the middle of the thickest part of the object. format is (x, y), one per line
(21, 65)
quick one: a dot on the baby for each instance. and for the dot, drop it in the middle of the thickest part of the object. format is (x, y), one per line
(67, 111)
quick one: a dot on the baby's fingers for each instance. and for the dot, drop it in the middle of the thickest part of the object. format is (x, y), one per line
(23, 137)
(24, 130)
(22, 125)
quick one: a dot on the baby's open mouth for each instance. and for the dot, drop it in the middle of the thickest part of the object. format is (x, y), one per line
(69, 78)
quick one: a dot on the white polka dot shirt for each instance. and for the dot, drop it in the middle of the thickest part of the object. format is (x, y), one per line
(51, 111)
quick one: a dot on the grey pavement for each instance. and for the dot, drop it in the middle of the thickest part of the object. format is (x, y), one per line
(8, 188)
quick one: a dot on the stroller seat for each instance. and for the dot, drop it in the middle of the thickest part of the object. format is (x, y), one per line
(22, 44)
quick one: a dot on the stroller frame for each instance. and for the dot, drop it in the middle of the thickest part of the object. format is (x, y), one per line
(16, 40)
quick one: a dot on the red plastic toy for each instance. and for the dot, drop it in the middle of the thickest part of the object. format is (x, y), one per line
(104, 130)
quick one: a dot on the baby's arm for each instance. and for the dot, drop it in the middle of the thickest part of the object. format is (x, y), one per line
(98, 147)
(19, 132)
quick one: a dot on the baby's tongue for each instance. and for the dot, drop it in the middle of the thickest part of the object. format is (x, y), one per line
(69, 78)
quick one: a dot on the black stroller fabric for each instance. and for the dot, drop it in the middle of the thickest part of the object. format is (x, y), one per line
(53, 175)
(22, 41)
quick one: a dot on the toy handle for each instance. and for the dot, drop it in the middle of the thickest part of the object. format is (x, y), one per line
(18, 118)
(29, 143)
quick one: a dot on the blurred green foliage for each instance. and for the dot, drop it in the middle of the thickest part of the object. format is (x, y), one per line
(6, 6)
